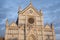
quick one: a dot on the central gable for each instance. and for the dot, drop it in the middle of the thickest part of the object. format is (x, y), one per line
(30, 10)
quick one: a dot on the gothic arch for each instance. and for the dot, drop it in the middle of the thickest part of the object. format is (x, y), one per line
(31, 37)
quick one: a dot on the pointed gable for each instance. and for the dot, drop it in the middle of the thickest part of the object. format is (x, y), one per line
(30, 10)
(13, 24)
(47, 26)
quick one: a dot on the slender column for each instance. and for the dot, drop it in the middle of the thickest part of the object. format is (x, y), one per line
(24, 32)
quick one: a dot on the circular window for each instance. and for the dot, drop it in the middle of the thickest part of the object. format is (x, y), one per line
(31, 20)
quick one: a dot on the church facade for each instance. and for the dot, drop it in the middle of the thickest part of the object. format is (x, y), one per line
(29, 26)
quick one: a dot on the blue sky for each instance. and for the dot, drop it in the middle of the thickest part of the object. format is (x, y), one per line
(50, 8)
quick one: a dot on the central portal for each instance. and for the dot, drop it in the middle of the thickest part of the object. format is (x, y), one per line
(32, 37)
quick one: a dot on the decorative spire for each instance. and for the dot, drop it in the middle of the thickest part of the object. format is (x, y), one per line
(30, 2)
(6, 22)
(47, 23)
(52, 25)
(40, 12)
(19, 9)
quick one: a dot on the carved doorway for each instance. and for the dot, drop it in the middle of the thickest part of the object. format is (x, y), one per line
(32, 37)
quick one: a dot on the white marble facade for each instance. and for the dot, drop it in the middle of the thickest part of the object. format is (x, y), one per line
(29, 26)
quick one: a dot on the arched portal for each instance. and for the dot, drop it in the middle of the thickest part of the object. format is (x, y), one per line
(32, 37)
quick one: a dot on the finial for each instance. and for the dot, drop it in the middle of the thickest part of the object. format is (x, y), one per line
(30, 1)
(6, 19)
(6, 22)
(52, 25)
(40, 12)
(47, 23)
(19, 9)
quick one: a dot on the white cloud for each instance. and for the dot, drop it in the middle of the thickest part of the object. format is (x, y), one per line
(57, 27)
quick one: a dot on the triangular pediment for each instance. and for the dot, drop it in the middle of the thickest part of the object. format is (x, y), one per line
(47, 26)
(30, 10)
(13, 24)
